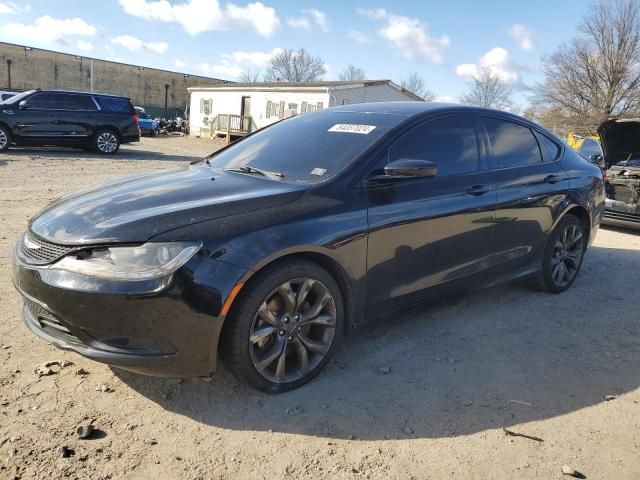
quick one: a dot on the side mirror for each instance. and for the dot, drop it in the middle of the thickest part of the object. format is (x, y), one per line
(23, 105)
(596, 160)
(410, 168)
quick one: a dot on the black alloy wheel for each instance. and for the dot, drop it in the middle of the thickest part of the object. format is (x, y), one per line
(5, 138)
(563, 256)
(285, 328)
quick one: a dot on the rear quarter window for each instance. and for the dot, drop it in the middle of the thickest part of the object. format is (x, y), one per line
(115, 104)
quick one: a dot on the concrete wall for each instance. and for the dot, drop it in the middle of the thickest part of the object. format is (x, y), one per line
(36, 68)
(229, 102)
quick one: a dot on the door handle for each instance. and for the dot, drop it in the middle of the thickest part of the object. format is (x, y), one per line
(478, 190)
(552, 179)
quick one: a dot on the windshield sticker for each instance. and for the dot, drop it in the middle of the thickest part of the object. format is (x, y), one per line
(352, 128)
(318, 171)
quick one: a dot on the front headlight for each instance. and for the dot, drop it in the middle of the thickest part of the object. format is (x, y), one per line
(148, 261)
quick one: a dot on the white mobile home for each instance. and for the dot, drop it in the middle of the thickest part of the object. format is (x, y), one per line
(242, 108)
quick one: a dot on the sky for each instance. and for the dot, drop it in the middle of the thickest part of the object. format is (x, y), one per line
(444, 41)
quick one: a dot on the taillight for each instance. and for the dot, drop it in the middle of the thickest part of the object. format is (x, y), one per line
(135, 118)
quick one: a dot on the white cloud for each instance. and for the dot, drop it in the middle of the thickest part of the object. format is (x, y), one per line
(234, 64)
(180, 63)
(305, 22)
(497, 61)
(523, 35)
(8, 8)
(319, 17)
(409, 36)
(301, 23)
(197, 16)
(83, 45)
(446, 99)
(358, 37)
(134, 44)
(374, 13)
(47, 29)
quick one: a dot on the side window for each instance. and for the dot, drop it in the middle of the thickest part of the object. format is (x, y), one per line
(551, 148)
(114, 104)
(76, 102)
(449, 142)
(45, 101)
(590, 147)
(512, 145)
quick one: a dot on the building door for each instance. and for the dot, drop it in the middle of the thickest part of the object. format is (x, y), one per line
(245, 112)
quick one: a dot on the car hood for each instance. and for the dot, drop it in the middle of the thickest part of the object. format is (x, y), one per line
(136, 208)
(620, 140)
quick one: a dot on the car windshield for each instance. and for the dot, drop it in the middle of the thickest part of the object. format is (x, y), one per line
(309, 148)
(17, 98)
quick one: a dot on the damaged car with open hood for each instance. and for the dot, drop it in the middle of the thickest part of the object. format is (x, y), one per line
(621, 146)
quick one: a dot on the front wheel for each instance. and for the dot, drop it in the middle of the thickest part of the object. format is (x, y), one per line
(5, 138)
(106, 142)
(284, 327)
(563, 256)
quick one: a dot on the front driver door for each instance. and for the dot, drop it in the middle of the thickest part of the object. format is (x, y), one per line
(427, 235)
(37, 121)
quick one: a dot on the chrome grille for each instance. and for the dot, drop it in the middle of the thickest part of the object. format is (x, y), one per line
(37, 251)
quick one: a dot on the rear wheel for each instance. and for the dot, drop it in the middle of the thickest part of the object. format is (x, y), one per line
(563, 256)
(284, 326)
(5, 138)
(106, 142)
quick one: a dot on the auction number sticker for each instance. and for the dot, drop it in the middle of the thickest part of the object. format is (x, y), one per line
(352, 128)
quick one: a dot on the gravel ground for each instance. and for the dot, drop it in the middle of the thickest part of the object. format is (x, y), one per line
(423, 396)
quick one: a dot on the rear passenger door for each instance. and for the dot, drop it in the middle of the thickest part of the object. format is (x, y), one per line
(530, 184)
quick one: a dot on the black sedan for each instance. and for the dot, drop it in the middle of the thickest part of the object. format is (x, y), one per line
(271, 249)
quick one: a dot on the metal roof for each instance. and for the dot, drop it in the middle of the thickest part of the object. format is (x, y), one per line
(257, 86)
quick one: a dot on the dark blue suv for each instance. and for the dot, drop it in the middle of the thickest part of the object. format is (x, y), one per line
(66, 118)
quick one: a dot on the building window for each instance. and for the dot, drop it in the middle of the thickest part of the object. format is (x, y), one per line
(281, 112)
(274, 109)
(303, 108)
(311, 108)
(320, 106)
(293, 107)
(268, 108)
(205, 106)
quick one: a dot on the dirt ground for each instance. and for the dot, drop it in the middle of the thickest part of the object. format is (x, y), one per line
(539, 365)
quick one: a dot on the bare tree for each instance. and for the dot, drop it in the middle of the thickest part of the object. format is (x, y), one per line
(488, 90)
(415, 84)
(300, 66)
(597, 75)
(249, 76)
(352, 73)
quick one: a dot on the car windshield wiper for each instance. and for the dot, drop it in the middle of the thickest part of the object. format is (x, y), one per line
(255, 171)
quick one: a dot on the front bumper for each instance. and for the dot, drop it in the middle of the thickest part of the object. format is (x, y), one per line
(164, 327)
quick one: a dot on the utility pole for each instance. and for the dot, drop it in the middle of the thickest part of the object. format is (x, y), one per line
(166, 99)
(91, 75)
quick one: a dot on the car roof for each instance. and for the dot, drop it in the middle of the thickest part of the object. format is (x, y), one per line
(80, 92)
(411, 108)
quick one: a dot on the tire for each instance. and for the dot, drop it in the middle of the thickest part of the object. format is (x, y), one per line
(5, 138)
(275, 348)
(562, 257)
(106, 142)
